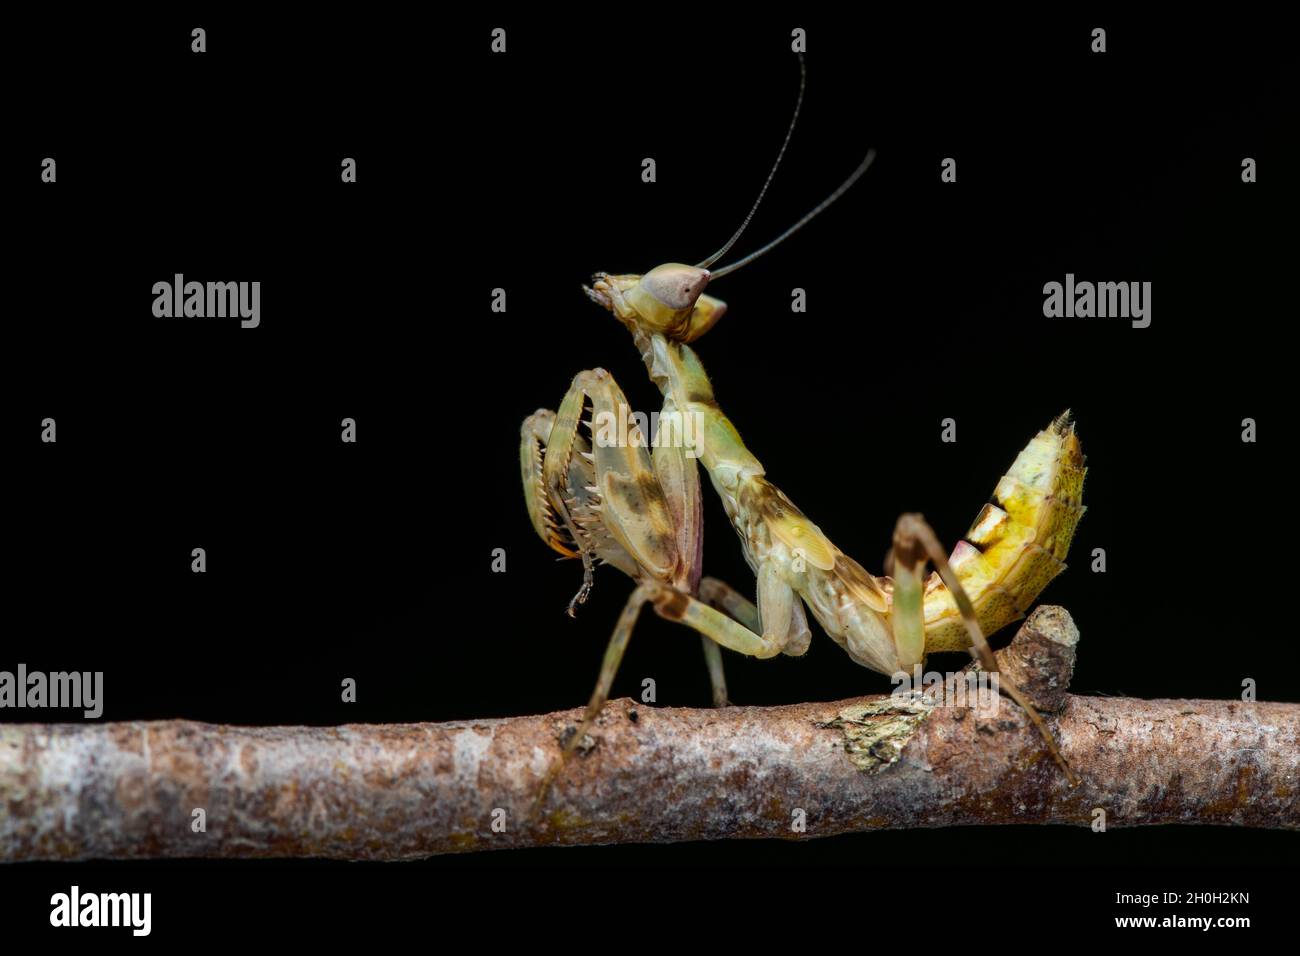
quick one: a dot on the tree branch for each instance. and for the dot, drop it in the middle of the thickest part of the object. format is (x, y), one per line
(648, 774)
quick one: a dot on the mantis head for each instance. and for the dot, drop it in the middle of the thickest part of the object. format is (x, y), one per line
(669, 300)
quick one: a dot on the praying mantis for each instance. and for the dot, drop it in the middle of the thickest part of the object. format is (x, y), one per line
(639, 510)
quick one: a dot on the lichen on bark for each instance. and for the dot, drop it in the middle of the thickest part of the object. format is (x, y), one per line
(876, 731)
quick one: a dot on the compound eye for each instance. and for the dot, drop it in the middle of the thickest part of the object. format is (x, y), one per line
(676, 286)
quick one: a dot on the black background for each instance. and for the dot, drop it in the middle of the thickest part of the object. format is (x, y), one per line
(522, 171)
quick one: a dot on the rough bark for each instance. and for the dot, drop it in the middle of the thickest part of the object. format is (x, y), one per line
(647, 774)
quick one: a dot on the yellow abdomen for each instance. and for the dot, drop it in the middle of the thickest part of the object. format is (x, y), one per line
(1016, 547)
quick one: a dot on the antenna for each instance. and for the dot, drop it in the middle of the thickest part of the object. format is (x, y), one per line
(803, 82)
(819, 208)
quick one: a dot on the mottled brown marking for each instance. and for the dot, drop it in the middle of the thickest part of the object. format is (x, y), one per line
(671, 604)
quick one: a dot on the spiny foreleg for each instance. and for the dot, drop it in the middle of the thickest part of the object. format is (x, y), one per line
(611, 502)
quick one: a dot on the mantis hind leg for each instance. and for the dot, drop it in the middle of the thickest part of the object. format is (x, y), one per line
(914, 543)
